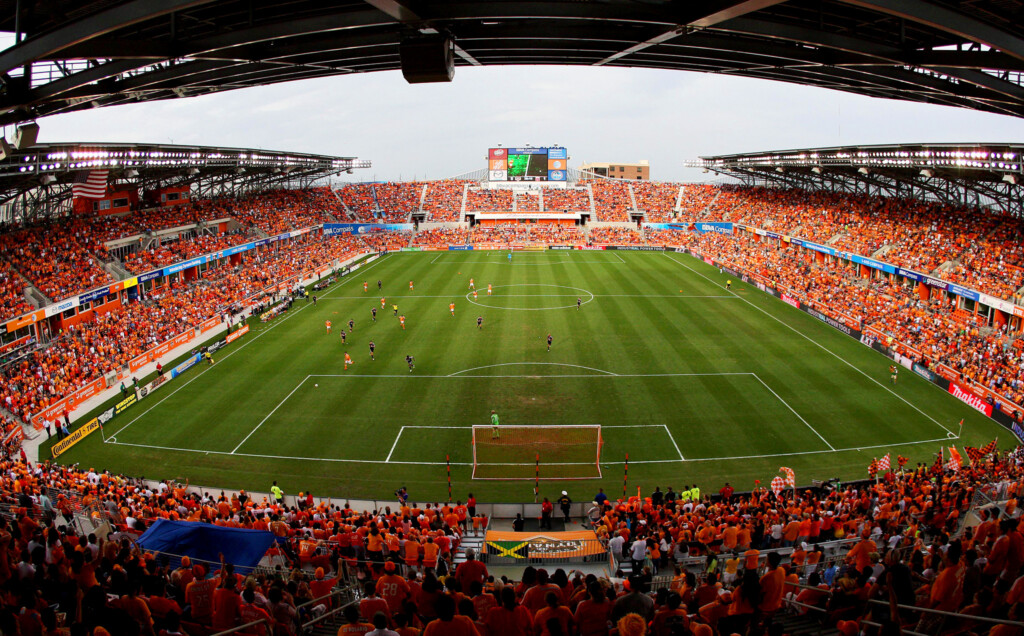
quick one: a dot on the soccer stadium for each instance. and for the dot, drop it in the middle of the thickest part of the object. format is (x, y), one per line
(258, 391)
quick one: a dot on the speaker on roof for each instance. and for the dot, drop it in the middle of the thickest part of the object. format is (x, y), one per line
(26, 136)
(427, 59)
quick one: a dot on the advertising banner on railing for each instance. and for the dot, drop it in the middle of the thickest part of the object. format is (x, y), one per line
(61, 307)
(330, 229)
(81, 395)
(575, 545)
(670, 226)
(237, 334)
(208, 325)
(459, 248)
(970, 398)
(637, 248)
(718, 228)
(186, 365)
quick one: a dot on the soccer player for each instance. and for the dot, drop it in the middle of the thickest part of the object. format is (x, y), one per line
(472, 285)
(366, 287)
(401, 320)
(394, 307)
(728, 284)
(494, 425)
(451, 308)
(489, 290)
(479, 322)
(314, 300)
(373, 313)
(893, 371)
(209, 358)
(474, 294)
(409, 361)
(343, 336)
(351, 325)
(373, 347)
(378, 284)
(383, 302)
(549, 342)
(327, 323)
(348, 360)
(579, 301)
(410, 285)
(510, 257)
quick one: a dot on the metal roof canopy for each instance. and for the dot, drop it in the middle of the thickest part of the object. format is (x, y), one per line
(37, 182)
(971, 174)
(73, 55)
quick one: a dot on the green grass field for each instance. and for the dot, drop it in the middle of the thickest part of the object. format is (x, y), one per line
(696, 383)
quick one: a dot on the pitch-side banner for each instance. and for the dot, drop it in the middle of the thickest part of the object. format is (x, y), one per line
(76, 436)
(549, 545)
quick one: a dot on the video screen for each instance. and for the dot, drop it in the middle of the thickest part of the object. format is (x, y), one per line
(527, 167)
(527, 164)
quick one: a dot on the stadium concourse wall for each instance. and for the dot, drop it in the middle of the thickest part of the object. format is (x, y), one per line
(87, 399)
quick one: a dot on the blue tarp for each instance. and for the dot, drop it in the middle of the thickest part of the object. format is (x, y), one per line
(205, 542)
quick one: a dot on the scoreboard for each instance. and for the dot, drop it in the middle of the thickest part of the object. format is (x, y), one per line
(527, 164)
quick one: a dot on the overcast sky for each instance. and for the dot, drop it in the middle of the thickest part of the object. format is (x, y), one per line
(600, 114)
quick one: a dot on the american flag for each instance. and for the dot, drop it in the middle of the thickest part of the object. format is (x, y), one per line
(90, 184)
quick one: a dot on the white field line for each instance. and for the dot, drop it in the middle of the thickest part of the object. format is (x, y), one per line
(279, 404)
(511, 364)
(534, 296)
(531, 376)
(397, 437)
(244, 345)
(793, 411)
(642, 461)
(672, 437)
(816, 343)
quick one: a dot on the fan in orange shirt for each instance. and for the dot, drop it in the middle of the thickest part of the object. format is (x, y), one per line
(392, 588)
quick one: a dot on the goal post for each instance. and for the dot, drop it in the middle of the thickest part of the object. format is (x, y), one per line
(571, 451)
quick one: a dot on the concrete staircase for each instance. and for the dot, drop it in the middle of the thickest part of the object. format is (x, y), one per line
(348, 210)
(468, 541)
(593, 208)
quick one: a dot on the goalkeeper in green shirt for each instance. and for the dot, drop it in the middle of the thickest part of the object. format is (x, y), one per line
(494, 425)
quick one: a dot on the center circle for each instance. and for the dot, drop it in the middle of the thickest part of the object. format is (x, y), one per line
(572, 293)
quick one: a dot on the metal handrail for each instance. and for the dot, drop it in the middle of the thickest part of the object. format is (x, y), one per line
(928, 610)
(268, 625)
